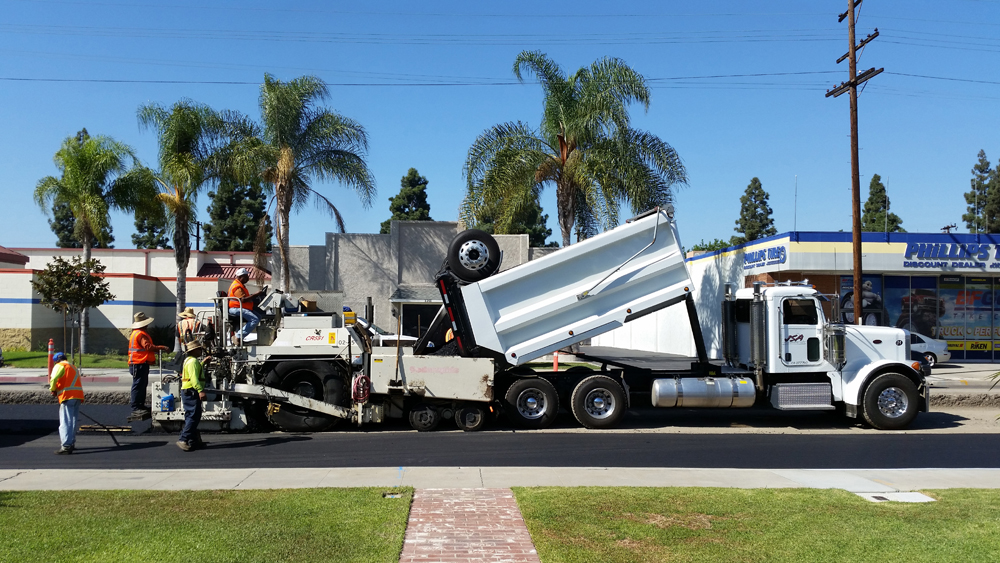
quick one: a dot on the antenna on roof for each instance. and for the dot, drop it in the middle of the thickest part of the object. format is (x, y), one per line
(947, 228)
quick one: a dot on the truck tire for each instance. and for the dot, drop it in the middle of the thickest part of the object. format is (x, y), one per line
(891, 402)
(598, 402)
(315, 380)
(470, 418)
(424, 418)
(531, 402)
(473, 255)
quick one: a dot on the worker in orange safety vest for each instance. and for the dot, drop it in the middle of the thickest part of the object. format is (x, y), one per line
(141, 353)
(64, 383)
(240, 303)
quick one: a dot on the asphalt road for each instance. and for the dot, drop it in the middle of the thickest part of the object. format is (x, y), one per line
(28, 438)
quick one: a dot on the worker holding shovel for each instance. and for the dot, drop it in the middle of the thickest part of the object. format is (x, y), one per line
(65, 384)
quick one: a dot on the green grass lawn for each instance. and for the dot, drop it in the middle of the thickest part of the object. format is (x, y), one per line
(266, 526)
(590, 524)
(19, 359)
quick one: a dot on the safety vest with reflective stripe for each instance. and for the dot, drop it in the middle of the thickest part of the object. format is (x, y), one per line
(184, 327)
(193, 377)
(236, 303)
(136, 353)
(66, 381)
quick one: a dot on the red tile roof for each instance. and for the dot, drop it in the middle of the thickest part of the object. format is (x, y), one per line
(228, 271)
(12, 257)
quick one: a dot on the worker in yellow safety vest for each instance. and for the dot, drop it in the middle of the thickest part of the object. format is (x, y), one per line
(64, 383)
(192, 394)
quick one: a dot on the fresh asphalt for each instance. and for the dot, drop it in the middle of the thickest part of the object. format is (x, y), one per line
(649, 438)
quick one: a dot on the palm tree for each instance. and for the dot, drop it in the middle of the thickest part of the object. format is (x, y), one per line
(298, 142)
(189, 136)
(584, 146)
(98, 175)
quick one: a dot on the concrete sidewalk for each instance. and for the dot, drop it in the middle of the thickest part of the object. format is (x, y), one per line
(853, 480)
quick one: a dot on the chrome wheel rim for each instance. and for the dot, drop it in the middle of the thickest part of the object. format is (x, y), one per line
(531, 404)
(473, 255)
(599, 403)
(892, 402)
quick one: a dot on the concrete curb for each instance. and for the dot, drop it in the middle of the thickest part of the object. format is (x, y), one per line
(46, 398)
(852, 480)
(938, 399)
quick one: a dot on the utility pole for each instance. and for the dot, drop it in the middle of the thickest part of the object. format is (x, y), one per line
(852, 86)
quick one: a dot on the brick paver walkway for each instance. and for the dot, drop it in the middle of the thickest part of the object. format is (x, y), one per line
(466, 525)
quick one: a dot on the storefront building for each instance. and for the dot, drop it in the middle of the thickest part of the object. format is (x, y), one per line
(944, 286)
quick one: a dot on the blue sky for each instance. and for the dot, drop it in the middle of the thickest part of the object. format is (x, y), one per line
(425, 79)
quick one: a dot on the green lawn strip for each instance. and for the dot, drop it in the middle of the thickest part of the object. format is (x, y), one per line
(588, 524)
(18, 359)
(301, 525)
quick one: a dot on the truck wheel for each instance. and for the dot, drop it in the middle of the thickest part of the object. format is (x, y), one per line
(473, 255)
(891, 402)
(532, 403)
(424, 418)
(470, 418)
(598, 402)
(315, 380)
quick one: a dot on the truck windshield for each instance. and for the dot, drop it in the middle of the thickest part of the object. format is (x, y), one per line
(799, 312)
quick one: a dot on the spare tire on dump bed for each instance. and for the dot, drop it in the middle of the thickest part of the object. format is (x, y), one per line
(473, 255)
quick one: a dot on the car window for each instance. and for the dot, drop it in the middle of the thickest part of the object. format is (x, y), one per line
(914, 339)
(799, 312)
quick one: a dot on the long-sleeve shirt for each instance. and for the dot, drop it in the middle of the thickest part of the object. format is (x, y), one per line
(193, 374)
(58, 371)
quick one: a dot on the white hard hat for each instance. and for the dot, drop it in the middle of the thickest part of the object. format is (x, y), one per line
(242, 272)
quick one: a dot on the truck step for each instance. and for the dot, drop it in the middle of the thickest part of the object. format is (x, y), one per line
(801, 396)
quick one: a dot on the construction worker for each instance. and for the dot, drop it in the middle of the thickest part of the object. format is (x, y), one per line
(192, 394)
(241, 303)
(65, 384)
(188, 327)
(141, 353)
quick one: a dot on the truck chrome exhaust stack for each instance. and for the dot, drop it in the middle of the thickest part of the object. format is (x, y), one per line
(758, 336)
(729, 351)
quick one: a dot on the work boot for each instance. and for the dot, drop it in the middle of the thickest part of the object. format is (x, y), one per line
(184, 446)
(64, 450)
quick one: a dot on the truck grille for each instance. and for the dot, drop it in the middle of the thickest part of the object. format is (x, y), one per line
(801, 396)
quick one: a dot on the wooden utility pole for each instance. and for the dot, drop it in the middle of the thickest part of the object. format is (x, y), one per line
(852, 86)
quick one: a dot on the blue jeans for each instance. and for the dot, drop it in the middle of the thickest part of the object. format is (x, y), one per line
(140, 382)
(68, 412)
(250, 319)
(192, 416)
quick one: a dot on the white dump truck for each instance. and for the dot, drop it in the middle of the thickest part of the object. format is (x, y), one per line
(779, 349)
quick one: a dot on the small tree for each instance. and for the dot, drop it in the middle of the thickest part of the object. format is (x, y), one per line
(151, 229)
(977, 197)
(712, 246)
(876, 217)
(530, 221)
(755, 215)
(236, 212)
(72, 286)
(410, 204)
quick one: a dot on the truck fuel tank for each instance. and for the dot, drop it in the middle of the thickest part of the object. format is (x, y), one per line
(704, 392)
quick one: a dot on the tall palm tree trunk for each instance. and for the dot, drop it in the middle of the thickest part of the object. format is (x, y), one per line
(566, 206)
(283, 210)
(182, 256)
(85, 314)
